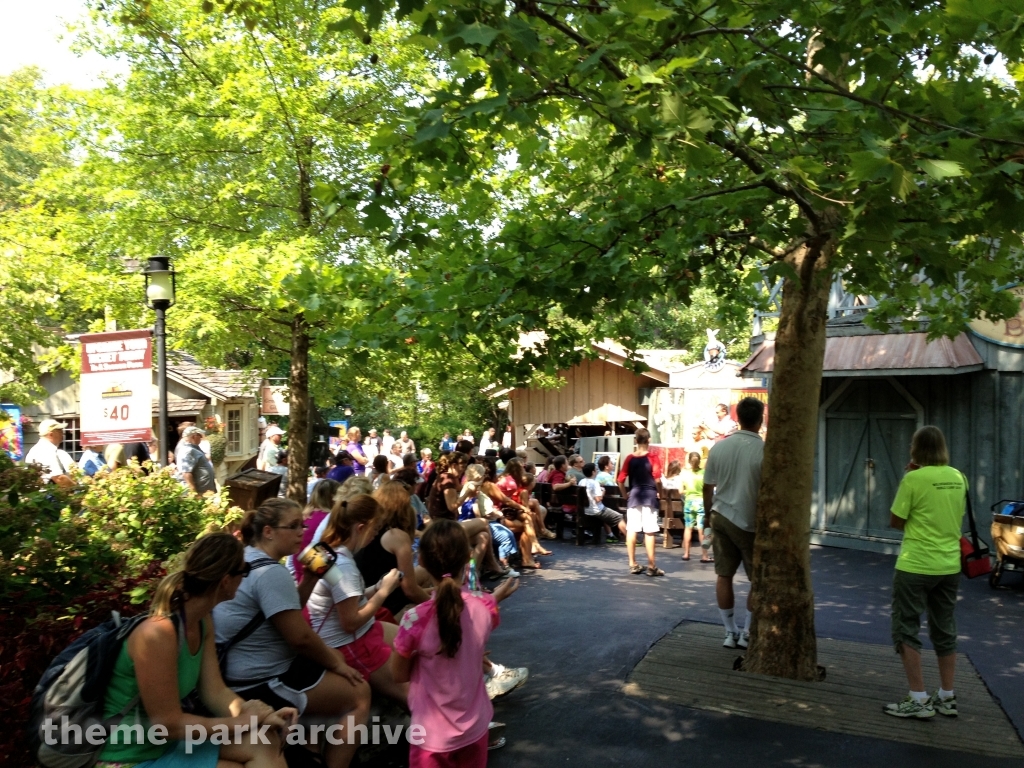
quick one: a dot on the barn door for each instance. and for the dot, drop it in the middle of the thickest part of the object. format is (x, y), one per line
(868, 433)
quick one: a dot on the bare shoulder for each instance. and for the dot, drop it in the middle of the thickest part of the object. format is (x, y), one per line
(395, 539)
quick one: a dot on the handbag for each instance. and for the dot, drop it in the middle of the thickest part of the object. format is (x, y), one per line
(974, 555)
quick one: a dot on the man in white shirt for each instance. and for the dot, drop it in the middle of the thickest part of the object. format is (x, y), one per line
(487, 442)
(270, 451)
(732, 479)
(56, 463)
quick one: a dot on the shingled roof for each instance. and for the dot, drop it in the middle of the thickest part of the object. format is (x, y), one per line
(220, 383)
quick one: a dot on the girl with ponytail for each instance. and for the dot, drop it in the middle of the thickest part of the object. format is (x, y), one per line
(439, 651)
(171, 654)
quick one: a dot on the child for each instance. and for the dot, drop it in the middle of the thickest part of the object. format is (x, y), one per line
(604, 474)
(643, 470)
(595, 506)
(693, 505)
(380, 469)
(343, 614)
(672, 480)
(439, 651)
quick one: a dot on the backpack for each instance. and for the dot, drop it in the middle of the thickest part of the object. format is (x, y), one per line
(74, 686)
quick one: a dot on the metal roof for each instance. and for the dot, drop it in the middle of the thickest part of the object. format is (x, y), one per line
(882, 354)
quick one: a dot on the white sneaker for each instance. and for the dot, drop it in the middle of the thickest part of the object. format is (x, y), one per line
(506, 681)
(512, 573)
(731, 640)
(743, 641)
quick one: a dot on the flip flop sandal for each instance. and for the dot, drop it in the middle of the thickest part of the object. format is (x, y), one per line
(709, 560)
(655, 572)
(636, 569)
(685, 558)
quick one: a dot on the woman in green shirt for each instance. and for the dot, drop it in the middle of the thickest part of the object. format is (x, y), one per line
(173, 653)
(929, 509)
(693, 505)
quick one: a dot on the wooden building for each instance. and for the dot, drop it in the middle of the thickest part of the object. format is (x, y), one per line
(878, 388)
(598, 392)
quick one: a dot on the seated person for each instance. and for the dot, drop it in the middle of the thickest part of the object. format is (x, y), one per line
(595, 503)
(171, 654)
(343, 614)
(561, 482)
(344, 467)
(605, 476)
(381, 468)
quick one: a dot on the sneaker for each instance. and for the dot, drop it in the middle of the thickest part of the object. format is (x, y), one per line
(506, 681)
(611, 539)
(945, 707)
(743, 640)
(731, 640)
(911, 707)
(512, 573)
(495, 735)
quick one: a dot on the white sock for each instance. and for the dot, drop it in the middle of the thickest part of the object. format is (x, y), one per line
(746, 624)
(920, 696)
(943, 694)
(496, 669)
(729, 619)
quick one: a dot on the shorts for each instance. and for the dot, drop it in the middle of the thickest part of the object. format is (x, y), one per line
(203, 755)
(693, 513)
(641, 520)
(732, 546)
(368, 653)
(470, 756)
(914, 594)
(289, 689)
(504, 540)
(608, 517)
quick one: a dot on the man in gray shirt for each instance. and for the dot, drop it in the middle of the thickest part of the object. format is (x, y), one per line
(195, 471)
(732, 478)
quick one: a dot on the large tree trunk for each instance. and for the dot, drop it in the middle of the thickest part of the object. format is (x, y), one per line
(782, 633)
(298, 412)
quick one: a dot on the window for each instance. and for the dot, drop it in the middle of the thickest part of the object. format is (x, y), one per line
(234, 431)
(72, 438)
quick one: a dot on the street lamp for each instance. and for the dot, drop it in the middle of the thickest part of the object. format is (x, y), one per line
(160, 287)
(348, 410)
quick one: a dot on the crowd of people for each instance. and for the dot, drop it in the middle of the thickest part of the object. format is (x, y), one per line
(404, 612)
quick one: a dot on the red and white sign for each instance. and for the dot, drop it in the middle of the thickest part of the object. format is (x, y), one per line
(116, 390)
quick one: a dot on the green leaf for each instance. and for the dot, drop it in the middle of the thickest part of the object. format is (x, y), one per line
(867, 166)
(902, 182)
(437, 130)
(375, 217)
(476, 34)
(348, 24)
(940, 169)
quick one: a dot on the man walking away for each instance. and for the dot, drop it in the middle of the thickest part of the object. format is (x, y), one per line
(732, 478)
(929, 509)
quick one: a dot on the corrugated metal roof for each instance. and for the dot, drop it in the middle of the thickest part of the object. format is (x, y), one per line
(879, 354)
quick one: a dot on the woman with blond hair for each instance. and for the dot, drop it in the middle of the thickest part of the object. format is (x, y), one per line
(173, 653)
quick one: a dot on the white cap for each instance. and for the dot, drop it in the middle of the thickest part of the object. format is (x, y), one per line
(273, 430)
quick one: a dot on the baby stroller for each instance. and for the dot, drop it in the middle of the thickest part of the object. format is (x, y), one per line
(1007, 538)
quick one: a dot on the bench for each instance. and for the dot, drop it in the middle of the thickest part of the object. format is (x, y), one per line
(672, 515)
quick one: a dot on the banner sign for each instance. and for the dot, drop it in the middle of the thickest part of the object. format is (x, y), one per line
(116, 389)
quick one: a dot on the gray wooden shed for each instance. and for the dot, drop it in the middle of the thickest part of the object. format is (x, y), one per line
(877, 389)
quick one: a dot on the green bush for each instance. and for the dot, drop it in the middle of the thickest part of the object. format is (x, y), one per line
(149, 517)
(218, 447)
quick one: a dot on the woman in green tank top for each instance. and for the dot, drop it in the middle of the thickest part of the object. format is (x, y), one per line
(173, 653)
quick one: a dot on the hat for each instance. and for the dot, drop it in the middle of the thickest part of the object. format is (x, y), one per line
(189, 431)
(48, 425)
(273, 429)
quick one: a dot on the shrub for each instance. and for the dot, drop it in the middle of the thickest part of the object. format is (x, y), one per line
(218, 448)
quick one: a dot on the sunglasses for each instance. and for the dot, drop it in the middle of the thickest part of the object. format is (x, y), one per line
(243, 571)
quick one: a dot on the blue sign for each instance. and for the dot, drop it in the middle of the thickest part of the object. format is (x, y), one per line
(12, 436)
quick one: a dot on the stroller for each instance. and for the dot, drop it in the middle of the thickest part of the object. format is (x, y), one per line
(1007, 538)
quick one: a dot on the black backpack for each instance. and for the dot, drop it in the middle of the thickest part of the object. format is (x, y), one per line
(74, 686)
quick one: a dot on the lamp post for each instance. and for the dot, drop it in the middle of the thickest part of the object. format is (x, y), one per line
(160, 287)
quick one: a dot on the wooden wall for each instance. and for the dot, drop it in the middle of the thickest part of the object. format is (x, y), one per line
(593, 392)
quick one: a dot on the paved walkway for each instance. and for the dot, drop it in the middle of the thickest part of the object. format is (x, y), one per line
(583, 623)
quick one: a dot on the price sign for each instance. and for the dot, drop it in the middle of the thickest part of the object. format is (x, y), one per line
(116, 390)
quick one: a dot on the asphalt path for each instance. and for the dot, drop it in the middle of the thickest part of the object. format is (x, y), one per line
(583, 622)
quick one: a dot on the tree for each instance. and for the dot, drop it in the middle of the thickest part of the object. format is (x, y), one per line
(643, 148)
(222, 148)
(31, 300)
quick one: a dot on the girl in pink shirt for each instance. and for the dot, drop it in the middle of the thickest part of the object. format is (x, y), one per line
(439, 650)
